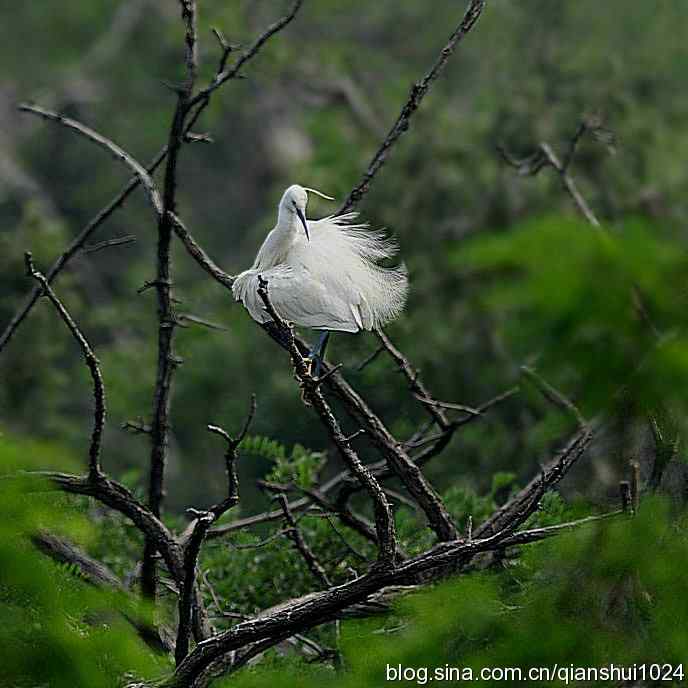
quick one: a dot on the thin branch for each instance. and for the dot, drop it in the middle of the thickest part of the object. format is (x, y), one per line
(117, 202)
(94, 469)
(369, 359)
(413, 377)
(569, 185)
(294, 534)
(119, 241)
(554, 396)
(116, 151)
(545, 156)
(225, 75)
(189, 17)
(200, 528)
(435, 404)
(443, 440)
(418, 92)
(536, 534)
(523, 503)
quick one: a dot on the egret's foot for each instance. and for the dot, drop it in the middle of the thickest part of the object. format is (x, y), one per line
(317, 354)
(310, 362)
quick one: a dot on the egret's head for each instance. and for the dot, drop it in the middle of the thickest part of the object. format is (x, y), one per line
(295, 200)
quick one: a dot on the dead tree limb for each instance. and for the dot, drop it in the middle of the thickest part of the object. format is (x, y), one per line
(200, 528)
(99, 410)
(296, 536)
(418, 92)
(544, 156)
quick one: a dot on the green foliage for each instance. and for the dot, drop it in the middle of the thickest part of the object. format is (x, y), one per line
(603, 307)
(56, 629)
(300, 468)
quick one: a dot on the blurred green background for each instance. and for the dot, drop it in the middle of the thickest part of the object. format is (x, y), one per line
(503, 273)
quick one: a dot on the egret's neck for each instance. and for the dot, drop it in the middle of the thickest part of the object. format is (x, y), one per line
(279, 241)
(286, 219)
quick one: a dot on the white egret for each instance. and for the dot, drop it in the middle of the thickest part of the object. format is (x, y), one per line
(324, 274)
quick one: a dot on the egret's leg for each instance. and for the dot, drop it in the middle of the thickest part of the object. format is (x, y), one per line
(317, 353)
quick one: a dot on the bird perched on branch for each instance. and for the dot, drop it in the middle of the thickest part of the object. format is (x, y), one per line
(324, 274)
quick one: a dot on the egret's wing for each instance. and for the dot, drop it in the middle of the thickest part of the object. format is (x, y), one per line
(297, 297)
(342, 258)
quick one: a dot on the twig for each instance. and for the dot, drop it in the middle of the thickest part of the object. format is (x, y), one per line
(119, 241)
(183, 318)
(225, 75)
(294, 534)
(415, 383)
(545, 156)
(554, 396)
(95, 471)
(418, 92)
(435, 404)
(116, 151)
(369, 359)
(201, 100)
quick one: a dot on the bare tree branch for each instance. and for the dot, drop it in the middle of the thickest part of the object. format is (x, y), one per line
(321, 607)
(167, 359)
(200, 528)
(99, 410)
(294, 534)
(545, 156)
(398, 460)
(418, 92)
(116, 151)
(554, 396)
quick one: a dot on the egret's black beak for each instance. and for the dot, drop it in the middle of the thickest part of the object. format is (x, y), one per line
(302, 217)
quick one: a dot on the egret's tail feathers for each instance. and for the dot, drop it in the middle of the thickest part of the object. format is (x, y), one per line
(386, 292)
(374, 245)
(379, 293)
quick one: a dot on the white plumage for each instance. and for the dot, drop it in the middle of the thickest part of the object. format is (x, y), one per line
(324, 274)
